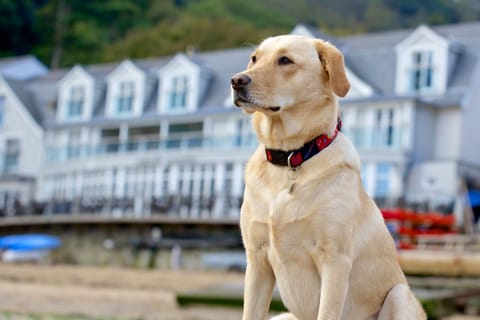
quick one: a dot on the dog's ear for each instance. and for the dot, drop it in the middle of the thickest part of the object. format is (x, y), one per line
(332, 61)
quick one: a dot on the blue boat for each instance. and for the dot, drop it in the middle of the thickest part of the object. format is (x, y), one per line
(29, 242)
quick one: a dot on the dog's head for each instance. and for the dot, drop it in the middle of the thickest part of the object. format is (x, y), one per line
(286, 71)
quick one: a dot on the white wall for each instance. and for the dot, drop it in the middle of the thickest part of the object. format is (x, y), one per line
(434, 181)
(18, 124)
(423, 134)
(447, 134)
(470, 142)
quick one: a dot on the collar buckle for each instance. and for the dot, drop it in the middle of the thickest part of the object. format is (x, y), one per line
(289, 161)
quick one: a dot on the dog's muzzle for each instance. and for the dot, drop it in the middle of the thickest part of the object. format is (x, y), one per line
(240, 80)
(240, 83)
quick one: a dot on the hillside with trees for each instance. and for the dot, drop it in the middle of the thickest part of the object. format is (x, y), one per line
(65, 32)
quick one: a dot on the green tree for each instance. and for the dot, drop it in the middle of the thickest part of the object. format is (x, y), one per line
(16, 26)
(66, 32)
(378, 16)
(203, 33)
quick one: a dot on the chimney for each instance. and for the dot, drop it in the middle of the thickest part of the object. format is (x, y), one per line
(191, 50)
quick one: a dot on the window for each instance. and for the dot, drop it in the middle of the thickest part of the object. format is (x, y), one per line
(165, 181)
(75, 102)
(74, 144)
(178, 93)
(2, 109)
(185, 135)
(360, 132)
(12, 153)
(384, 130)
(389, 133)
(193, 127)
(364, 175)
(110, 140)
(239, 136)
(382, 183)
(143, 137)
(422, 71)
(126, 94)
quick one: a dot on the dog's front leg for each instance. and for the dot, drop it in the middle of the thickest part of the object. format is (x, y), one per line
(259, 282)
(334, 274)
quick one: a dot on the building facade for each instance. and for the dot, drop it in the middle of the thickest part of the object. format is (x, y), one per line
(161, 136)
(21, 133)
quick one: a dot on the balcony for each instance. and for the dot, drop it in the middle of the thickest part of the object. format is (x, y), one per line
(55, 155)
(377, 138)
(175, 207)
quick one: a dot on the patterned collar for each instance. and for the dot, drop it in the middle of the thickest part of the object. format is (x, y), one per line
(294, 158)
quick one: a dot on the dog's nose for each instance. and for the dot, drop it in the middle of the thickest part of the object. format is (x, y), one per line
(240, 80)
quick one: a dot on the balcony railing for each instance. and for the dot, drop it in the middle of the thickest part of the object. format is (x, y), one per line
(175, 205)
(375, 138)
(67, 153)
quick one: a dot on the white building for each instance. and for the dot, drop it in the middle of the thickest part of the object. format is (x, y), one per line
(21, 133)
(162, 136)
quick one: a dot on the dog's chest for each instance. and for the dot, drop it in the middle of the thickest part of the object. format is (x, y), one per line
(296, 249)
(292, 224)
(295, 229)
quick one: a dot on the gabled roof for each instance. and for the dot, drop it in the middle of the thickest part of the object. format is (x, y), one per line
(125, 65)
(309, 31)
(26, 98)
(359, 87)
(420, 33)
(371, 57)
(74, 72)
(181, 59)
(22, 67)
(223, 64)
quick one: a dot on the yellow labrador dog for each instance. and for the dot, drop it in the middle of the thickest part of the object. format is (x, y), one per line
(306, 221)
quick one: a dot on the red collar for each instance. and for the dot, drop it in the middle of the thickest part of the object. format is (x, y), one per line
(294, 158)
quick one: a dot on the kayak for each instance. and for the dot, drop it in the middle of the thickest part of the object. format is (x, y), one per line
(29, 242)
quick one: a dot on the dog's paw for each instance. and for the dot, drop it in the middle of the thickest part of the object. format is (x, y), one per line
(284, 316)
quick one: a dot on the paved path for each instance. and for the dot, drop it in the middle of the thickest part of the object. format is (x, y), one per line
(114, 293)
(108, 292)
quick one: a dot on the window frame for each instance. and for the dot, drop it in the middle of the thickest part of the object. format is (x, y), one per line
(125, 97)
(178, 93)
(12, 155)
(75, 101)
(422, 71)
(383, 172)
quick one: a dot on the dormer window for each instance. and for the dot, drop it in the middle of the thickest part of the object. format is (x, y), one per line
(125, 91)
(178, 93)
(75, 96)
(126, 95)
(424, 61)
(422, 71)
(181, 86)
(76, 101)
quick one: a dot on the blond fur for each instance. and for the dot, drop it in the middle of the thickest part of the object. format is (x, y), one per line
(324, 243)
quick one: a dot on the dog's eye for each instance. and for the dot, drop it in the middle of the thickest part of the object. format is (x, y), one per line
(284, 61)
(254, 59)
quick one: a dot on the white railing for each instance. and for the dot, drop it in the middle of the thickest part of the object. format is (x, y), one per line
(67, 153)
(375, 138)
(178, 205)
